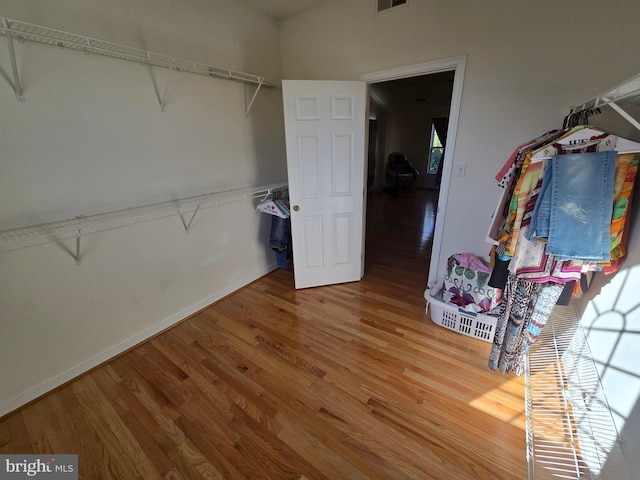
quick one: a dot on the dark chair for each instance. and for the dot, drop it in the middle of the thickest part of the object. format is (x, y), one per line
(400, 174)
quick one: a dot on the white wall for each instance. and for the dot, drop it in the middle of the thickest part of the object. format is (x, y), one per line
(526, 64)
(91, 138)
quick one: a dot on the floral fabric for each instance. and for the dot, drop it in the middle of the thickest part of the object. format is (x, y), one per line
(466, 284)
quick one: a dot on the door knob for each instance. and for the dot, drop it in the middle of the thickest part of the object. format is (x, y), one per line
(296, 208)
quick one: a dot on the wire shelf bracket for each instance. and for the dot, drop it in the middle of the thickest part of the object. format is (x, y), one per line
(77, 255)
(184, 223)
(185, 208)
(163, 99)
(17, 87)
(22, 31)
(255, 94)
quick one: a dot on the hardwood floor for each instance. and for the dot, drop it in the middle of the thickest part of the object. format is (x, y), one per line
(349, 381)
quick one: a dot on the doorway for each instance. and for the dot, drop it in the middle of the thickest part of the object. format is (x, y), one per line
(453, 70)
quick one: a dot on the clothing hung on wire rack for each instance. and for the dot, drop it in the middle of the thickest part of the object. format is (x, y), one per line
(563, 213)
(280, 235)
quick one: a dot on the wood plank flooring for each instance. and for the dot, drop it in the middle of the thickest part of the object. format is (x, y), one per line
(349, 381)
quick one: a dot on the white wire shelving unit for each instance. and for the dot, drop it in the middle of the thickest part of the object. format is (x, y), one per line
(185, 208)
(571, 432)
(22, 31)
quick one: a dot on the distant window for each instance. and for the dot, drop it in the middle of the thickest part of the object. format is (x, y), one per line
(436, 150)
(383, 5)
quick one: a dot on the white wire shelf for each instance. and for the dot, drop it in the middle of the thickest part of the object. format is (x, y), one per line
(17, 238)
(49, 36)
(21, 31)
(571, 432)
(625, 93)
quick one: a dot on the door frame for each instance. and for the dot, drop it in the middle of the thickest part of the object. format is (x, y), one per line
(457, 64)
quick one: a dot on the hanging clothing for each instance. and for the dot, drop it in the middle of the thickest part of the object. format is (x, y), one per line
(528, 184)
(523, 314)
(280, 239)
(626, 170)
(580, 188)
(539, 222)
(530, 259)
(531, 262)
(505, 227)
(506, 221)
(519, 298)
(562, 214)
(502, 177)
(548, 297)
(499, 273)
(507, 236)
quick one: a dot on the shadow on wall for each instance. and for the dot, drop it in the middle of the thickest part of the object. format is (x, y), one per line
(611, 323)
(631, 435)
(266, 122)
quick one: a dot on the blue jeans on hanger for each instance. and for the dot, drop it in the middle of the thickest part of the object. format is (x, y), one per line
(581, 190)
(279, 239)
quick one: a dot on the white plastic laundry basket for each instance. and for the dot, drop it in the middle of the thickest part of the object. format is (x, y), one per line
(447, 315)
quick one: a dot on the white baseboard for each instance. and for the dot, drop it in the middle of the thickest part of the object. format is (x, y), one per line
(8, 406)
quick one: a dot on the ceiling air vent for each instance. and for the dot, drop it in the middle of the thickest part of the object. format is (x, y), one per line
(388, 4)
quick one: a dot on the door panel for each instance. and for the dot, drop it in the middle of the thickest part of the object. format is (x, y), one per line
(342, 231)
(313, 234)
(325, 137)
(341, 163)
(309, 160)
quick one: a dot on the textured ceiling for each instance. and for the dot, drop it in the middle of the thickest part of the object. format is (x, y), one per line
(281, 9)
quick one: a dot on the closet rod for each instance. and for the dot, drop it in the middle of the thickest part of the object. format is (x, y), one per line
(49, 36)
(17, 238)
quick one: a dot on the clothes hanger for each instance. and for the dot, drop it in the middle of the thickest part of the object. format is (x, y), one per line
(283, 207)
(546, 150)
(582, 136)
(580, 117)
(273, 206)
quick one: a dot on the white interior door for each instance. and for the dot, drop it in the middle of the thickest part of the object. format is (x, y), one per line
(325, 142)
